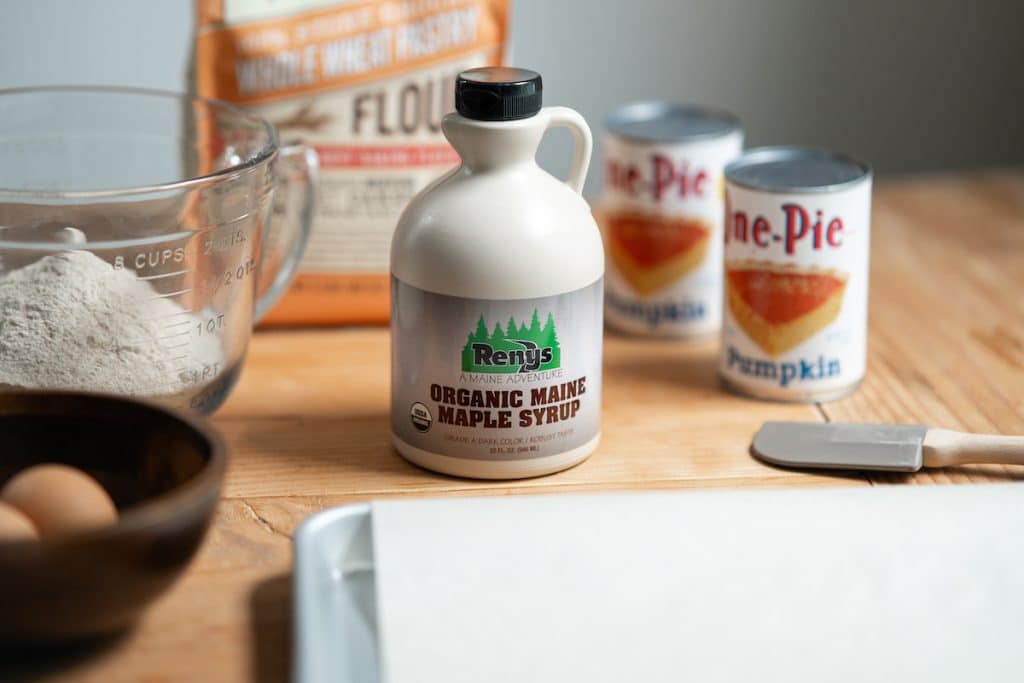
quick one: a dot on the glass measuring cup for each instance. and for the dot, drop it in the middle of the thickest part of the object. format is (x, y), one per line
(140, 237)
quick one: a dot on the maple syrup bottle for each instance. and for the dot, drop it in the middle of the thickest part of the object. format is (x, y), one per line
(497, 293)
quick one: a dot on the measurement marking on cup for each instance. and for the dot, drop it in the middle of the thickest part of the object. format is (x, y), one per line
(210, 325)
(163, 275)
(176, 335)
(168, 295)
(231, 275)
(203, 373)
(168, 317)
(177, 346)
(136, 342)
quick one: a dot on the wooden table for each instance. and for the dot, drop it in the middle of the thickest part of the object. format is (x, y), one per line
(308, 427)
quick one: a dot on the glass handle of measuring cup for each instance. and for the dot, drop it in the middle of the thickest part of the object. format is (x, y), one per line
(296, 173)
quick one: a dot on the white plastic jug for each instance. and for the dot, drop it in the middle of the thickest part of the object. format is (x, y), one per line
(497, 292)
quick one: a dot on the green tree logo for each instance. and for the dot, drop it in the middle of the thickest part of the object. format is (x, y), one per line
(516, 348)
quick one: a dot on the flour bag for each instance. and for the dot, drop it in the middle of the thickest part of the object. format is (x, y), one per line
(365, 83)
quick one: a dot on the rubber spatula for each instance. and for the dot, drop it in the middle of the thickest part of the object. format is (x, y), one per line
(896, 448)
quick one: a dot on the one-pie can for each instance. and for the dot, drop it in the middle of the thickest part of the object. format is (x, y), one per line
(661, 212)
(797, 238)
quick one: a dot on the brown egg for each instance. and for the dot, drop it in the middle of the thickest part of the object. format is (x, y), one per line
(14, 525)
(59, 499)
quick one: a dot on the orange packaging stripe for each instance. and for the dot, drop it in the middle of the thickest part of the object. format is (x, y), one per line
(386, 156)
(338, 47)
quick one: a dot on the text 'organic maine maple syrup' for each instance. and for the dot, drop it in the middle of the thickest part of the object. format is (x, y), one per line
(797, 236)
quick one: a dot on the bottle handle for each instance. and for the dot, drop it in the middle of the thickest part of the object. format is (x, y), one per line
(583, 142)
(290, 221)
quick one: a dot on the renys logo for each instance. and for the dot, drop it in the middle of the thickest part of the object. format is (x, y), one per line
(517, 348)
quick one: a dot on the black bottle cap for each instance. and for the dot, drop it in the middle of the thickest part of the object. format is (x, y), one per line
(498, 93)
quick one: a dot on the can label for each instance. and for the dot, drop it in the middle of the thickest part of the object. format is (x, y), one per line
(496, 379)
(796, 290)
(661, 215)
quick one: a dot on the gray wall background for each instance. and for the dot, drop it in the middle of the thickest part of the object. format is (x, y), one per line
(908, 85)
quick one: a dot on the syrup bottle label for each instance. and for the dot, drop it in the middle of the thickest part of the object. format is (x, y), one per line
(496, 380)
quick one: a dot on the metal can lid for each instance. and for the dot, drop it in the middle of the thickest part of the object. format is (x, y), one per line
(796, 169)
(656, 121)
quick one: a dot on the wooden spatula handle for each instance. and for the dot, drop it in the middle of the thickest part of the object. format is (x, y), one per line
(944, 447)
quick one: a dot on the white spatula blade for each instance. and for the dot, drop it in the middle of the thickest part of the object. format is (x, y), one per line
(895, 448)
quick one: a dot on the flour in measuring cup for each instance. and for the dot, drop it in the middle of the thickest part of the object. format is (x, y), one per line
(71, 321)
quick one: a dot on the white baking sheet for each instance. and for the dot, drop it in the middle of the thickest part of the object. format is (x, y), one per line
(893, 584)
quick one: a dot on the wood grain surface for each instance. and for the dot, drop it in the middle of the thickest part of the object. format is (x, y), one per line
(308, 429)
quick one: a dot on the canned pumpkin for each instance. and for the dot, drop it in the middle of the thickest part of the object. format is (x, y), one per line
(661, 215)
(797, 236)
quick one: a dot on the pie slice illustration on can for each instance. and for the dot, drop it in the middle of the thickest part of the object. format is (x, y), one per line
(653, 251)
(782, 306)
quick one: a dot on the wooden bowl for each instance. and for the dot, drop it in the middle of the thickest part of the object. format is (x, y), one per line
(164, 470)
